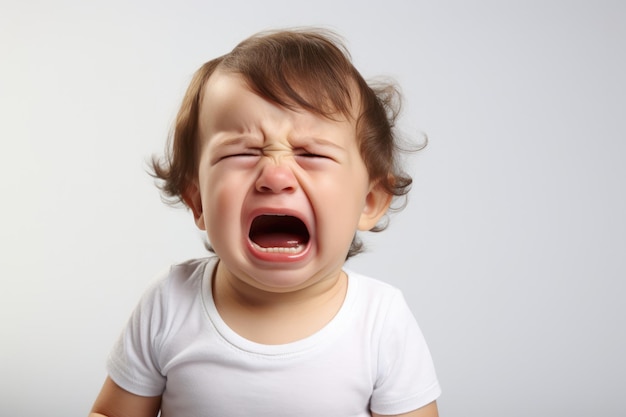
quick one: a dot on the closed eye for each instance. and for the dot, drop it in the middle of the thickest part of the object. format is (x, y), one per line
(311, 160)
(240, 155)
(311, 155)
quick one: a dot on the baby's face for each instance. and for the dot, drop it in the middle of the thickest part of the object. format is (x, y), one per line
(280, 193)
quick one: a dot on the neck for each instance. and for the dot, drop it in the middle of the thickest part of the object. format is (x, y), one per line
(228, 288)
(277, 317)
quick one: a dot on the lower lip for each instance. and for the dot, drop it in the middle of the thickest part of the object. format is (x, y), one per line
(278, 257)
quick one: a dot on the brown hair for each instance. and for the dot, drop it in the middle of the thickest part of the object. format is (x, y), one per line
(308, 69)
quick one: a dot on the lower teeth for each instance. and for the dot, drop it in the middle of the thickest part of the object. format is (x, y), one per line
(292, 250)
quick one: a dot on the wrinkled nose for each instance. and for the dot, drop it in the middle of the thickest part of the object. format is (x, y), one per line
(276, 178)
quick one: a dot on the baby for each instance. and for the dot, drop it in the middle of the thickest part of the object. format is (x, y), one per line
(282, 152)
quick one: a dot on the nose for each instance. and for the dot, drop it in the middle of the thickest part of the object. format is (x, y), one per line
(276, 178)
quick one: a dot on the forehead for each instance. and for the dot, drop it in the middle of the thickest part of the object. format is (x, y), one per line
(223, 94)
(228, 103)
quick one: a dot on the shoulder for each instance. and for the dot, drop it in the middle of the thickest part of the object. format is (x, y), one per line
(380, 305)
(404, 374)
(387, 312)
(176, 287)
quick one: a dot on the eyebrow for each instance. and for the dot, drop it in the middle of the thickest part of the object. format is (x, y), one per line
(232, 141)
(317, 141)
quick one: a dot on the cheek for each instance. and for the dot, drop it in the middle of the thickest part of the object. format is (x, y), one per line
(222, 206)
(351, 187)
(348, 192)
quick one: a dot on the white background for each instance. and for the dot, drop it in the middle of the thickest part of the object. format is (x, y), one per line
(512, 250)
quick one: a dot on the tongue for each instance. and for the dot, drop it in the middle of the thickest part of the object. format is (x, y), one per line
(277, 240)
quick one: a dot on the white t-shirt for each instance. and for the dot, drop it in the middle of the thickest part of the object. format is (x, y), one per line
(371, 356)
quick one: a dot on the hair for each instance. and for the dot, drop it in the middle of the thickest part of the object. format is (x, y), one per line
(296, 69)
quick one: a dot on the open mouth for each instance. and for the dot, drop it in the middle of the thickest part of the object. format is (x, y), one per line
(279, 234)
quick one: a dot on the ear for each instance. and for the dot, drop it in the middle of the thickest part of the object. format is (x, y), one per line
(193, 199)
(377, 203)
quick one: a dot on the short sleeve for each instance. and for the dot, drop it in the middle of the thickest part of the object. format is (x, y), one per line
(406, 377)
(133, 362)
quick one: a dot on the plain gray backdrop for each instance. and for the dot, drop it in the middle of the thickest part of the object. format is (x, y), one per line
(511, 251)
